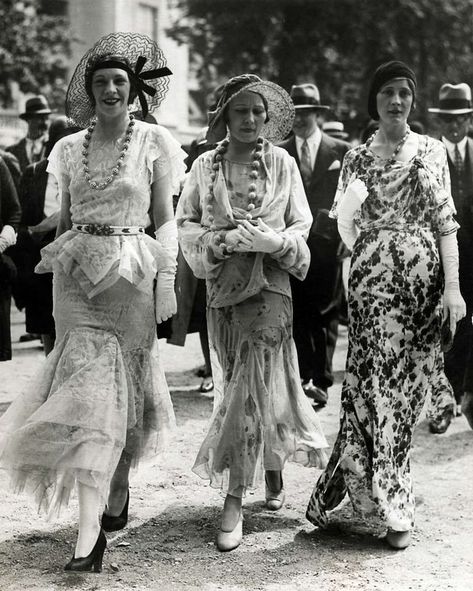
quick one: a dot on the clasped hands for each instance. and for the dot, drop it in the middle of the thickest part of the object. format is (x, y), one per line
(248, 237)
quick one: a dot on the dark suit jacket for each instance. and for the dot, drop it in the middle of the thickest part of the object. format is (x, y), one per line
(464, 217)
(19, 150)
(13, 166)
(323, 184)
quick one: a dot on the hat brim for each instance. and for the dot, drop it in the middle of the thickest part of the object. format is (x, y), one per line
(79, 107)
(280, 113)
(450, 111)
(33, 114)
(313, 107)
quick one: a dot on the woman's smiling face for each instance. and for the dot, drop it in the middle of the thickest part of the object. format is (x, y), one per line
(111, 90)
(246, 114)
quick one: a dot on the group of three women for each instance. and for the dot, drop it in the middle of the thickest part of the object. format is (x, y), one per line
(102, 403)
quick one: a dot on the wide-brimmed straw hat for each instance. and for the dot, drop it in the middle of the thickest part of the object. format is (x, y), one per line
(36, 105)
(148, 74)
(280, 109)
(307, 96)
(454, 99)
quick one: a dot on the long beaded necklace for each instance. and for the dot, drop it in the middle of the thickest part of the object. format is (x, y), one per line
(392, 159)
(255, 166)
(100, 185)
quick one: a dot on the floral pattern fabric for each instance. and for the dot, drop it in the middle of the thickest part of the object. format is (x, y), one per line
(261, 415)
(102, 392)
(394, 300)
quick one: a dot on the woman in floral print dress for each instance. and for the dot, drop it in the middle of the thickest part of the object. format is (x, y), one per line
(397, 216)
(243, 221)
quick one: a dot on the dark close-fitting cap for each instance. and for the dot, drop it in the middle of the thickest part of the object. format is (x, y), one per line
(386, 72)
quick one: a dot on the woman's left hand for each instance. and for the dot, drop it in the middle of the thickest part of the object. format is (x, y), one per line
(260, 238)
(454, 307)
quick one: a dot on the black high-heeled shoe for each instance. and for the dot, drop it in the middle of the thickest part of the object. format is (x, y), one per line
(91, 562)
(116, 522)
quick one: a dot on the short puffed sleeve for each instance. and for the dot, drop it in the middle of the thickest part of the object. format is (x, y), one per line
(165, 157)
(58, 165)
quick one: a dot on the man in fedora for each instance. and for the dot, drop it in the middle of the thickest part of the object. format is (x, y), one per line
(454, 113)
(32, 148)
(316, 300)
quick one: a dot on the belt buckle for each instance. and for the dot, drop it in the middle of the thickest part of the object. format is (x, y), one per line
(99, 229)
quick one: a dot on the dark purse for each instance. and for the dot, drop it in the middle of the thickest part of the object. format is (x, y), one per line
(8, 270)
(324, 226)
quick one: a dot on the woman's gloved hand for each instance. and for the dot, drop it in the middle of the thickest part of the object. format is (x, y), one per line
(164, 295)
(260, 238)
(350, 203)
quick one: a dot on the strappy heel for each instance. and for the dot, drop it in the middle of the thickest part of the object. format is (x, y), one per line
(116, 522)
(92, 562)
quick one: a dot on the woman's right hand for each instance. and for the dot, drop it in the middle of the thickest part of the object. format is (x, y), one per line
(454, 307)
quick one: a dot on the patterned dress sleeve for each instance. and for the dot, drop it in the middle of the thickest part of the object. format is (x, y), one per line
(345, 177)
(445, 209)
(294, 255)
(198, 243)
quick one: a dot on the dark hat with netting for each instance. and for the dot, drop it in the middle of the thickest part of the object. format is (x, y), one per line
(279, 107)
(138, 55)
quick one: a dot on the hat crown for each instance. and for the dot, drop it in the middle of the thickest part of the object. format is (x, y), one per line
(455, 92)
(35, 104)
(305, 94)
(333, 126)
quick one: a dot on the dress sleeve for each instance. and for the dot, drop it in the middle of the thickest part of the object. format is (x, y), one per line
(199, 244)
(165, 157)
(57, 165)
(348, 168)
(445, 208)
(294, 255)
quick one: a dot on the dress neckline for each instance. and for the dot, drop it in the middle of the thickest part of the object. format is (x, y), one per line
(368, 148)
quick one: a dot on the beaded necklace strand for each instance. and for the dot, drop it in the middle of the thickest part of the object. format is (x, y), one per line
(100, 185)
(392, 159)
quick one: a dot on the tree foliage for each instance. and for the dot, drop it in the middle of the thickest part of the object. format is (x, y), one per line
(34, 48)
(335, 43)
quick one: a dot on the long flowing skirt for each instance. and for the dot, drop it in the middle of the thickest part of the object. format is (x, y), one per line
(393, 360)
(261, 415)
(101, 393)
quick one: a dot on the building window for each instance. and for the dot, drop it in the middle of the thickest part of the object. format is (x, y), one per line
(148, 20)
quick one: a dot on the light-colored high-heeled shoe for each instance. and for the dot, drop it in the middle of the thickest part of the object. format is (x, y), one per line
(399, 540)
(229, 540)
(275, 499)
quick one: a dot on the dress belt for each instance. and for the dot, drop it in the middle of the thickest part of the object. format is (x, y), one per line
(107, 230)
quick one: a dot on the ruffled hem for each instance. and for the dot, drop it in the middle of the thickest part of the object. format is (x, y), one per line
(64, 430)
(98, 262)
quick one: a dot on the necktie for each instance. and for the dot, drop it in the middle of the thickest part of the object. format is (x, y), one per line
(458, 160)
(306, 165)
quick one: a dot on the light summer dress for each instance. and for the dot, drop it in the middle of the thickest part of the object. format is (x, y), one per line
(394, 300)
(261, 415)
(102, 391)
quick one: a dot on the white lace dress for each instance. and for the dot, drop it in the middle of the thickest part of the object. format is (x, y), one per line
(102, 390)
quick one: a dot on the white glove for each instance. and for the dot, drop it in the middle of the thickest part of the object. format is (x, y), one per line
(350, 203)
(164, 295)
(260, 238)
(453, 304)
(7, 237)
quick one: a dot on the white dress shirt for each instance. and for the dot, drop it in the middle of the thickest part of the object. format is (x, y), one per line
(451, 148)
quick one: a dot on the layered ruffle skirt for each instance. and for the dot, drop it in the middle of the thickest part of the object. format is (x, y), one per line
(101, 394)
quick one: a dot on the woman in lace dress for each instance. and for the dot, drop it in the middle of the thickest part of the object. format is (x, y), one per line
(243, 220)
(101, 402)
(395, 212)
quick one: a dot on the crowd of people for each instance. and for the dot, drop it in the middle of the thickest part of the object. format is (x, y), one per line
(111, 236)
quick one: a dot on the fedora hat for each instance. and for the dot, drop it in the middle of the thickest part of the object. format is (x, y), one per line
(36, 105)
(335, 129)
(306, 96)
(454, 99)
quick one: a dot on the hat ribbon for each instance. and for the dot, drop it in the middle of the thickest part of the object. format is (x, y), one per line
(140, 77)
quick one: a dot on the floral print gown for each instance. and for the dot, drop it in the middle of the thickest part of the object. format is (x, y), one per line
(102, 391)
(394, 299)
(261, 416)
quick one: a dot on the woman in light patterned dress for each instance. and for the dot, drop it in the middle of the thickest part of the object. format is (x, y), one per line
(395, 212)
(102, 403)
(243, 221)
